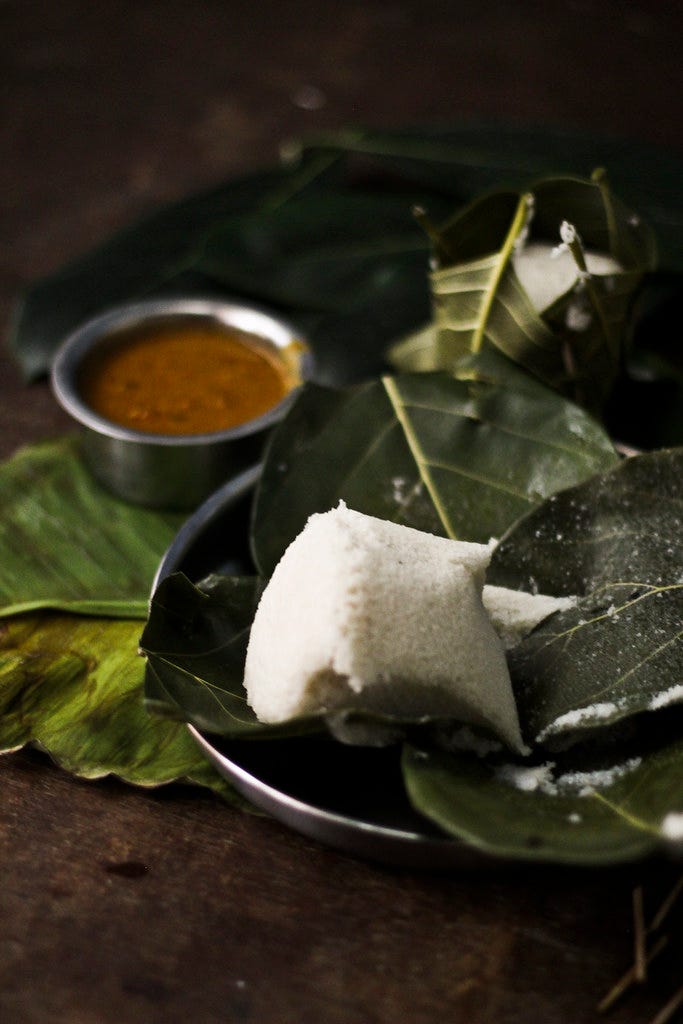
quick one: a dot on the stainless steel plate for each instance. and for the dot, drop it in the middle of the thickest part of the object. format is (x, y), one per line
(351, 798)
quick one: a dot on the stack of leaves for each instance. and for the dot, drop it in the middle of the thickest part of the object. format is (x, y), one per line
(596, 685)
(77, 567)
(572, 340)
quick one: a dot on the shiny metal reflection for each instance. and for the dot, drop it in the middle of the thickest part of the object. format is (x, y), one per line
(162, 470)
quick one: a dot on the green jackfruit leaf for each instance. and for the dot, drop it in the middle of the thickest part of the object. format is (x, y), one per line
(547, 276)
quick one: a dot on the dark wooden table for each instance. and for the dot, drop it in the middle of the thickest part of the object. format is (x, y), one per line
(109, 109)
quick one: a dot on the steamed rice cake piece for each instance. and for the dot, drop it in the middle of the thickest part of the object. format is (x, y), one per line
(515, 613)
(366, 614)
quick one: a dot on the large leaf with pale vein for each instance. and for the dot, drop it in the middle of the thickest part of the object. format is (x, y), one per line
(581, 817)
(459, 458)
(616, 541)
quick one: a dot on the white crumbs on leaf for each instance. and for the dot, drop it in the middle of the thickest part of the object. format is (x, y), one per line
(673, 695)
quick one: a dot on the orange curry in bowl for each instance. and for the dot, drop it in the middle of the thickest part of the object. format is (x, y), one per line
(186, 378)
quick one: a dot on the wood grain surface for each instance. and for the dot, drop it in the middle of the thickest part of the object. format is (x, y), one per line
(122, 905)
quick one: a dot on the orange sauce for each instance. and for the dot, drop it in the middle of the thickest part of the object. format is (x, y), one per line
(184, 378)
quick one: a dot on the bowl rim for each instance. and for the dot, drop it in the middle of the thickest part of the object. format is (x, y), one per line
(227, 311)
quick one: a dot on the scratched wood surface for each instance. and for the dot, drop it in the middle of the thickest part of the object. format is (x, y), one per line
(118, 905)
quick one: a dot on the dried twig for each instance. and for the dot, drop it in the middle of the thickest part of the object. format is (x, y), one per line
(666, 906)
(667, 1012)
(629, 977)
(643, 956)
(640, 958)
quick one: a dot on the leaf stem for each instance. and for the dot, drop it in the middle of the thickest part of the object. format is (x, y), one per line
(574, 244)
(464, 154)
(638, 823)
(400, 413)
(299, 182)
(431, 230)
(599, 178)
(518, 224)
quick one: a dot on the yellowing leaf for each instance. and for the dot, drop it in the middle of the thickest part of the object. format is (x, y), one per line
(72, 685)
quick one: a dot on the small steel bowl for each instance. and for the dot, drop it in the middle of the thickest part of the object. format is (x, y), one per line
(167, 470)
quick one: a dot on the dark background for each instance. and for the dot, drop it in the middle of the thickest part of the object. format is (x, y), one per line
(109, 109)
